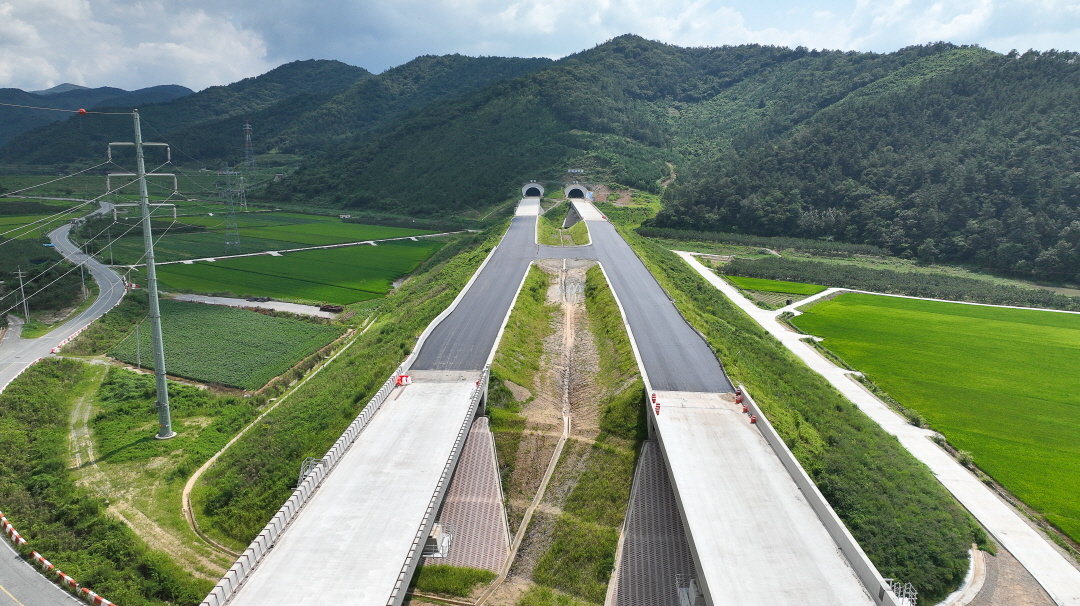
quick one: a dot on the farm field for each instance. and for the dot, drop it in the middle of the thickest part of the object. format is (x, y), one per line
(781, 286)
(226, 345)
(257, 232)
(338, 275)
(999, 383)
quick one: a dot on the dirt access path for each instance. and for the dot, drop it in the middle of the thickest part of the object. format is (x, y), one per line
(121, 494)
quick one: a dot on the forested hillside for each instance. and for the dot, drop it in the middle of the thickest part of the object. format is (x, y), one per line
(936, 152)
(20, 120)
(964, 156)
(83, 138)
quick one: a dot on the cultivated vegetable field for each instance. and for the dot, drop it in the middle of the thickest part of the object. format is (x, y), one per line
(226, 345)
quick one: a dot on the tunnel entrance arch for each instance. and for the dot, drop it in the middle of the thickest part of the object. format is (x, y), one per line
(576, 191)
(532, 189)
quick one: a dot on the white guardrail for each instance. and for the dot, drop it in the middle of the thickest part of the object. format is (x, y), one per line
(266, 538)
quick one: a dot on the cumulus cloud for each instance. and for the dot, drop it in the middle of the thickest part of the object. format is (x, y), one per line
(203, 42)
(128, 45)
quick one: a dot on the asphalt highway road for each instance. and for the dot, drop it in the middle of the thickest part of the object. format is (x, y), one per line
(675, 356)
(463, 340)
(20, 583)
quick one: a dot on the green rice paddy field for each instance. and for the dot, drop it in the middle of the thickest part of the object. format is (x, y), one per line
(1002, 384)
(781, 286)
(336, 275)
(257, 232)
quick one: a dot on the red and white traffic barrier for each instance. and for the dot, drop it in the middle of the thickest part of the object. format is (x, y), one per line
(403, 380)
(94, 598)
(66, 580)
(40, 559)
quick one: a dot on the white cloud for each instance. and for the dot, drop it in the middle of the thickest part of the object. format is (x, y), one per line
(203, 42)
(129, 45)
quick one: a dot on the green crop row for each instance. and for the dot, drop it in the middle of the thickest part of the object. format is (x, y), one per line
(781, 286)
(226, 345)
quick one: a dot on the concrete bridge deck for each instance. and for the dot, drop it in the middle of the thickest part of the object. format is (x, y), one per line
(754, 536)
(356, 531)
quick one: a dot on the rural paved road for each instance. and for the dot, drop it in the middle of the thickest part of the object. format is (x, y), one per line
(20, 583)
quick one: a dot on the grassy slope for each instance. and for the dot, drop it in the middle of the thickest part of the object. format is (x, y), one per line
(61, 520)
(518, 360)
(906, 521)
(585, 536)
(236, 497)
(999, 383)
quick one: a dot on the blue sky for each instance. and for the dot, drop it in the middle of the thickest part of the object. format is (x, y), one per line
(200, 43)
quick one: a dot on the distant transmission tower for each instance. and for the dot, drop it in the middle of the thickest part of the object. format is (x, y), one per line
(249, 149)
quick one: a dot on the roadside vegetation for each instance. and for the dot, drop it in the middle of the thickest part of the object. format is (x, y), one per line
(976, 374)
(894, 507)
(242, 490)
(457, 581)
(68, 523)
(551, 232)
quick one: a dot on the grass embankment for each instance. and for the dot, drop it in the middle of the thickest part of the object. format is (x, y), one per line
(909, 525)
(67, 523)
(550, 231)
(143, 477)
(999, 383)
(581, 555)
(458, 581)
(573, 536)
(517, 361)
(244, 488)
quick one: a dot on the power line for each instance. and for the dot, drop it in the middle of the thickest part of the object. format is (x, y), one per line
(81, 112)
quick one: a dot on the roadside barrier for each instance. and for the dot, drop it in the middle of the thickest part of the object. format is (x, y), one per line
(65, 580)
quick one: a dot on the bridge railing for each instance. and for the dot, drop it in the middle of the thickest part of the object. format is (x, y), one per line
(250, 558)
(397, 596)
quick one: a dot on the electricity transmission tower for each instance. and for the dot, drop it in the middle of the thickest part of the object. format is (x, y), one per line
(165, 430)
(249, 149)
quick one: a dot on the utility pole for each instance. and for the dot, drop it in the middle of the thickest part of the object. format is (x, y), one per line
(22, 293)
(165, 430)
